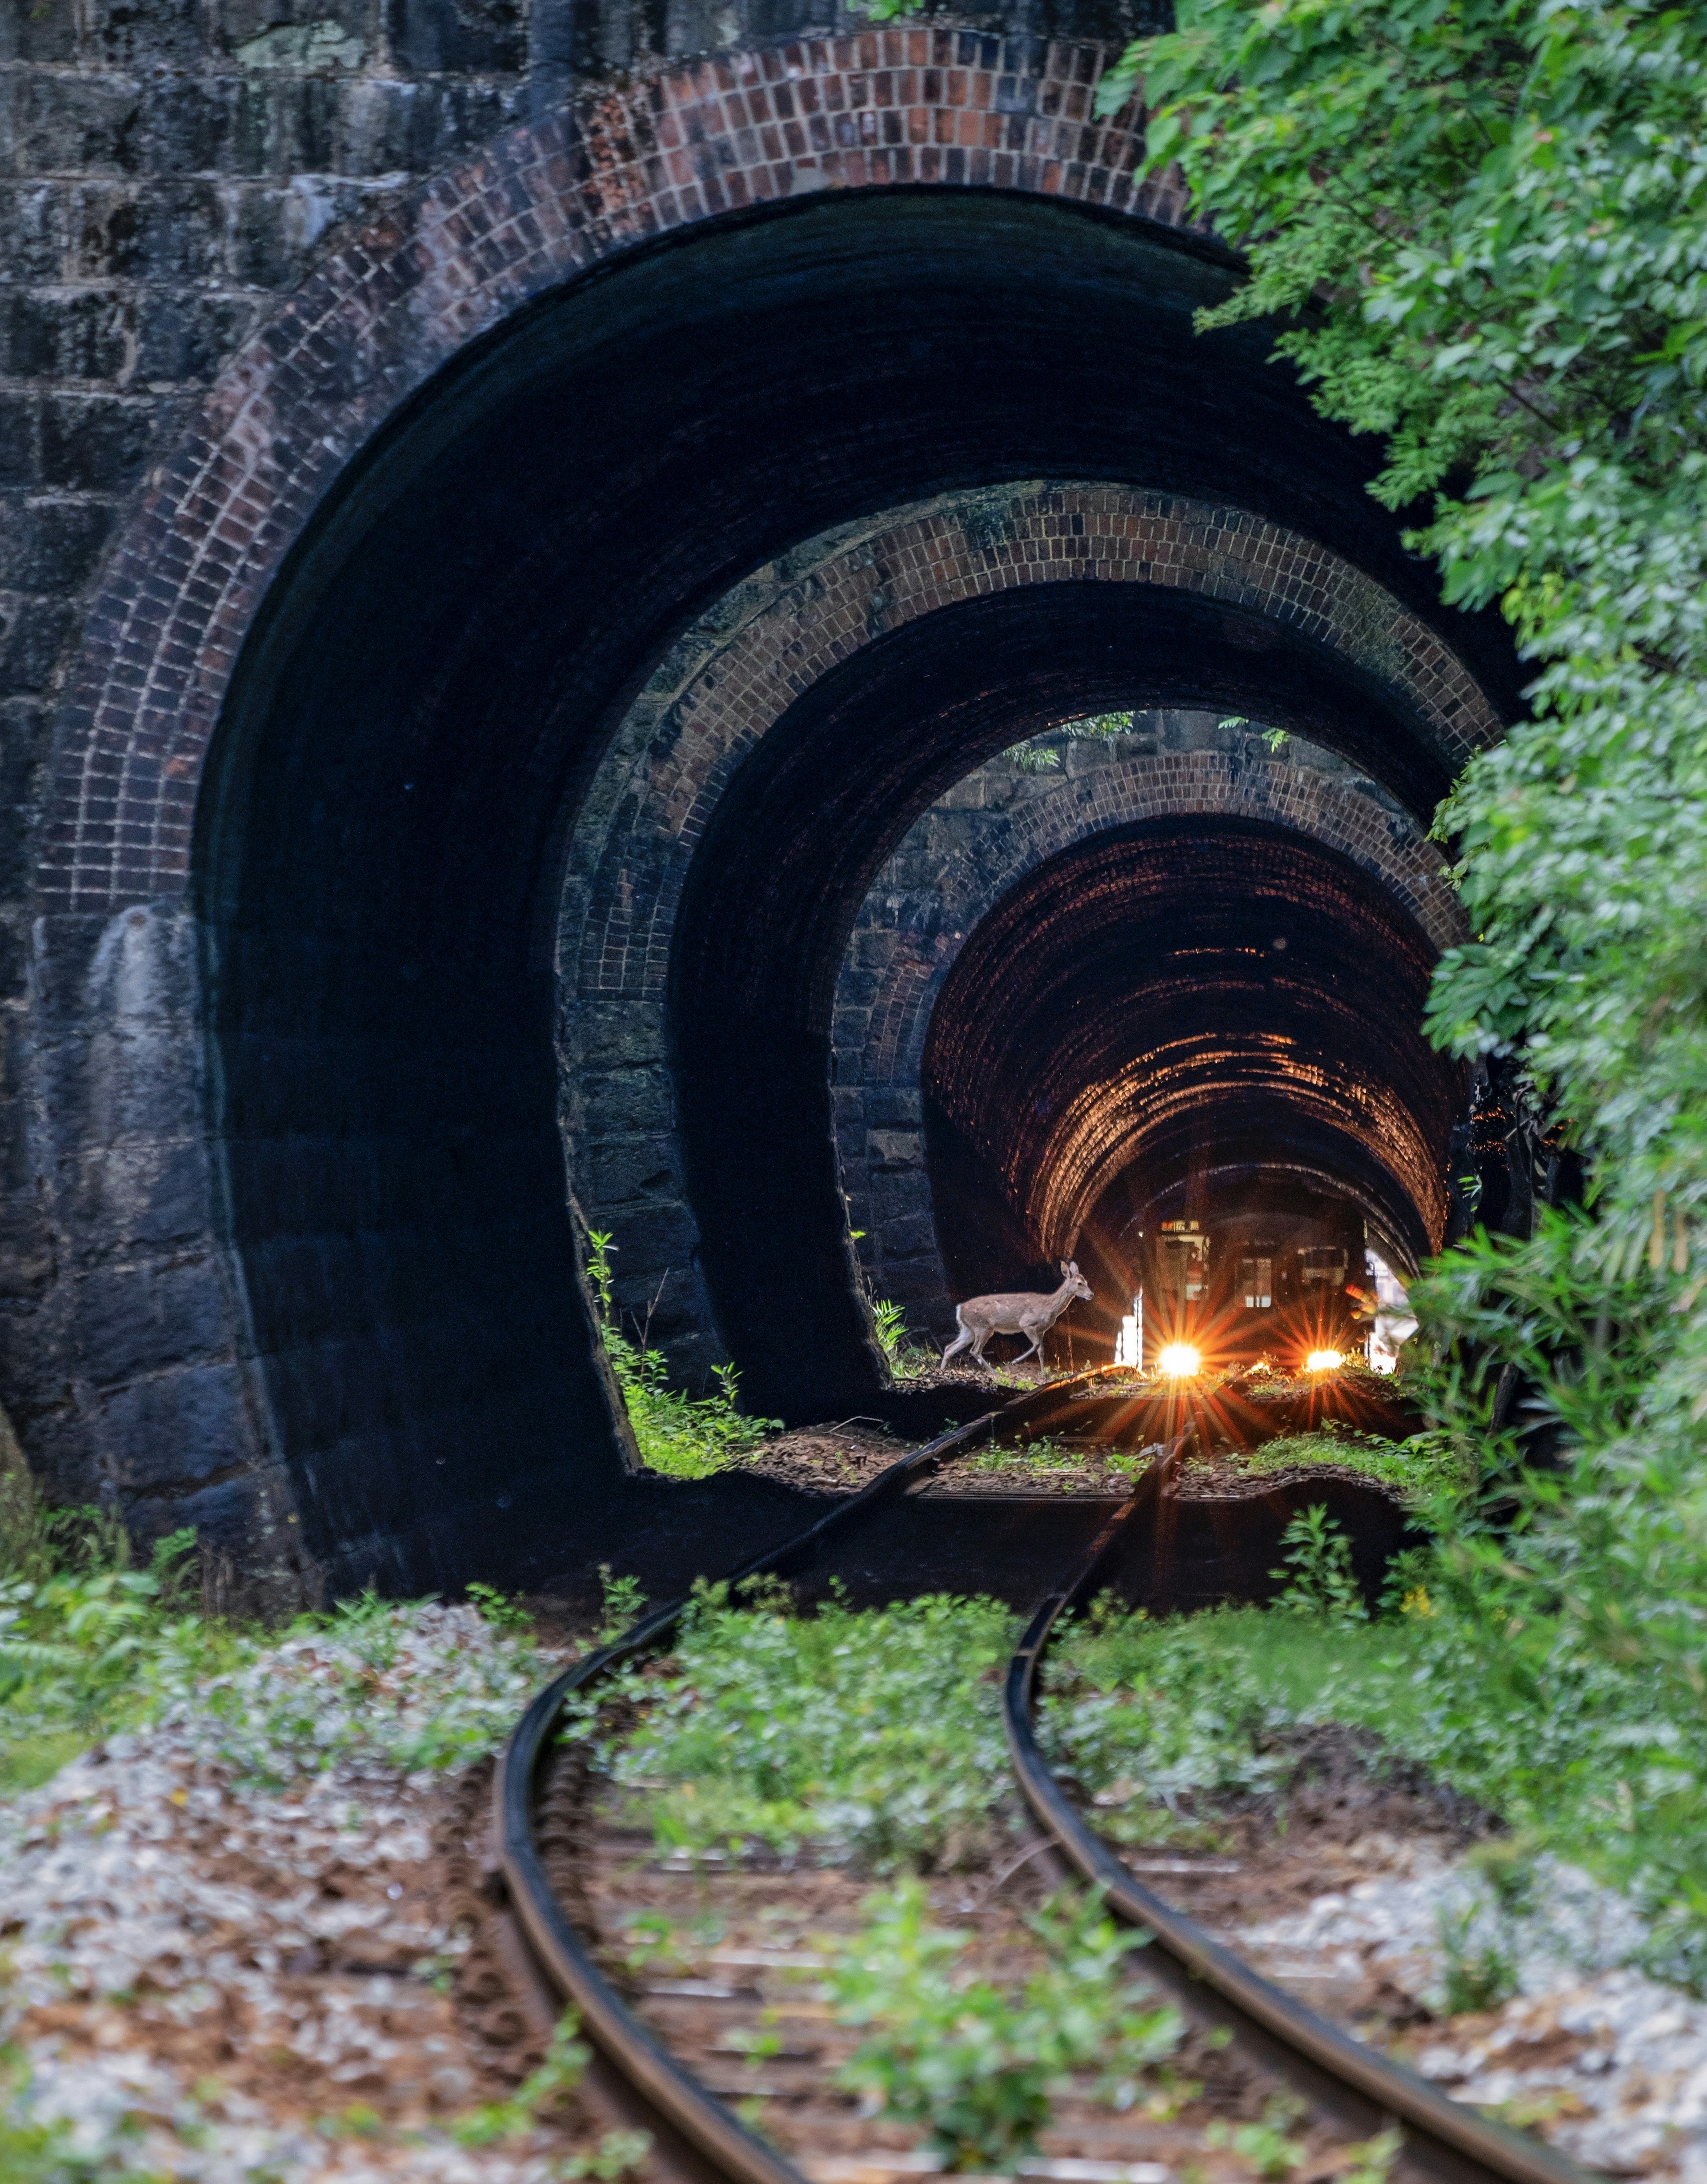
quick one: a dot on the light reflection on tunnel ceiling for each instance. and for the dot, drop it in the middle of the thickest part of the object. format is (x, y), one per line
(1128, 1006)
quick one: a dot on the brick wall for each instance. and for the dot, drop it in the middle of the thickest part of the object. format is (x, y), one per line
(979, 841)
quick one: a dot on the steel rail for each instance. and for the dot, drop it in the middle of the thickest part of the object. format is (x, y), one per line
(647, 2070)
(1443, 2134)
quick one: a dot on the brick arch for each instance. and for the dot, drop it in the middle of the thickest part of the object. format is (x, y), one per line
(943, 107)
(731, 677)
(890, 976)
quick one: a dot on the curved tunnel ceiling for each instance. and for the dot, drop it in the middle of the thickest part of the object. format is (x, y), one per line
(380, 841)
(1185, 999)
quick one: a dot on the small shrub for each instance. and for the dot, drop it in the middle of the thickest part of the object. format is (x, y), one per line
(1317, 1569)
(976, 2066)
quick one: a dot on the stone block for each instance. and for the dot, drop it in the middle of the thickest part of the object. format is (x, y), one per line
(425, 37)
(911, 1237)
(175, 1430)
(192, 124)
(95, 443)
(33, 229)
(24, 732)
(20, 439)
(642, 1097)
(62, 122)
(892, 1150)
(238, 27)
(14, 951)
(63, 334)
(183, 337)
(32, 33)
(611, 1175)
(164, 230)
(32, 631)
(130, 1320)
(140, 34)
(894, 1195)
(51, 545)
(895, 1106)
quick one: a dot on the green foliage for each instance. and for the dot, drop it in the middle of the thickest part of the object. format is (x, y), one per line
(1481, 1970)
(974, 2065)
(623, 1603)
(1482, 228)
(542, 2091)
(1270, 2148)
(1316, 1566)
(1421, 1468)
(683, 1436)
(618, 2154)
(905, 1358)
(1150, 1722)
(1039, 754)
(1479, 228)
(876, 1736)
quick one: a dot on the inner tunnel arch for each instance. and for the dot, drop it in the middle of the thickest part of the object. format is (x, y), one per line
(1190, 997)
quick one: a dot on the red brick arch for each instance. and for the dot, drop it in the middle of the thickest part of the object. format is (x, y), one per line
(1289, 793)
(943, 107)
(688, 734)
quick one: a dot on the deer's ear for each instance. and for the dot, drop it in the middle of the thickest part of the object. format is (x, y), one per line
(1065, 1268)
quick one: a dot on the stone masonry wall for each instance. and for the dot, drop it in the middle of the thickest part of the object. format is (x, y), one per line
(171, 169)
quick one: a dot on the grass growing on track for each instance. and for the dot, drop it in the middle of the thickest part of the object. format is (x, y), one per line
(1417, 1469)
(875, 1737)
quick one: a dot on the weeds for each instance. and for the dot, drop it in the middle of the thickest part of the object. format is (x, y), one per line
(1419, 1468)
(906, 1359)
(682, 1436)
(542, 2091)
(875, 1736)
(1316, 1567)
(1151, 1724)
(976, 2066)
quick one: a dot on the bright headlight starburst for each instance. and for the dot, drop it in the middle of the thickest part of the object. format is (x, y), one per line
(1178, 1361)
(1323, 1361)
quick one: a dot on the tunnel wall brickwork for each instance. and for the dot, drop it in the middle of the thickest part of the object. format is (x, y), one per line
(234, 237)
(731, 678)
(978, 842)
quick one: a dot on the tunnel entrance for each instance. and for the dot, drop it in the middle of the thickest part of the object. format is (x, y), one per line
(1197, 1028)
(483, 872)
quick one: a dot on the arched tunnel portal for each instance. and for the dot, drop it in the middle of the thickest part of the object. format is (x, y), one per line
(595, 675)
(1184, 1005)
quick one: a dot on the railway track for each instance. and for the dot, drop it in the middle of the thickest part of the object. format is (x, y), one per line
(539, 1804)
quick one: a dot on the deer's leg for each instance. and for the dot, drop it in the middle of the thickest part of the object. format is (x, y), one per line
(978, 1342)
(960, 1342)
(1036, 1348)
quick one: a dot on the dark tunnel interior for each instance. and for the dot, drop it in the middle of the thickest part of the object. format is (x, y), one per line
(380, 849)
(1185, 1006)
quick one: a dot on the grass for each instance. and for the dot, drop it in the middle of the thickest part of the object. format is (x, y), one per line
(874, 1736)
(683, 1436)
(1419, 1468)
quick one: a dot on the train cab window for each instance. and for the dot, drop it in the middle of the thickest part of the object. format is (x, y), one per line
(1322, 1262)
(1256, 1283)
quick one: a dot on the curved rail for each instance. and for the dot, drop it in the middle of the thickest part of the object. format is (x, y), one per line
(1446, 2135)
(1441, 2134)
(671, 2094)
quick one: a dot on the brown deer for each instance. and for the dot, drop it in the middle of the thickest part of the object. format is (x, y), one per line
(1015, 1312)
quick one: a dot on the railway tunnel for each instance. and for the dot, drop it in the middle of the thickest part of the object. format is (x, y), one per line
(571, 724)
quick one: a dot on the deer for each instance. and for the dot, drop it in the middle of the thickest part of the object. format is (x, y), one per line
(1017, 1312)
